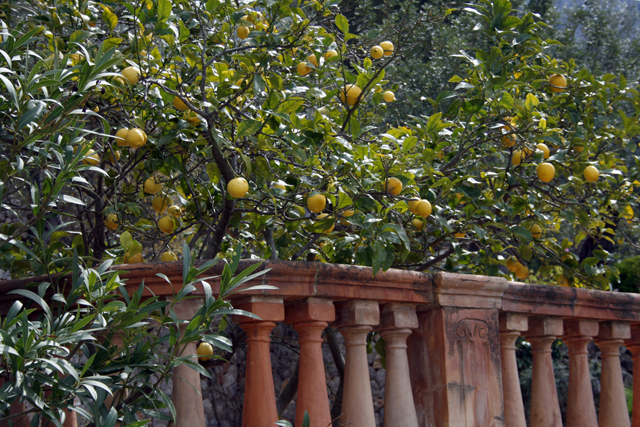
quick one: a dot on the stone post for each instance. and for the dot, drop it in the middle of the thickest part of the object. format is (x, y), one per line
(187, 392)
(581, 409)
(354, 320)
(613, 402)
(634, 346)
(395, 326)
(545, 408)
(510, 327)
(259, 408)
(309, 318)
(454, 355)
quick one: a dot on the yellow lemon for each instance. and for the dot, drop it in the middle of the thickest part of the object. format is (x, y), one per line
(536, 231)
(546, 172)
(152, 186)
(175, 211)
(591, 174)
(237, 187)
(161, 203)
(121, 137)
(136, 259)
(388, 96)
(460, 235)
(517, 158)
(165, 224)
(350, 94)
(280, 186)
(312, 58)
(330, 229)
(522, 272)
(387, 47)
(136, 138)
(424, 208)
(418, 224)
(543, 147)
(393, 186)
(205, 351)
(132, 74)
(413, 206)
(111, 222)
(377, 52)
(91, 158)
(508, 140)
(558, 83)
(330, 54)
(192, 118)
(348, 213)
(243, 32)
(316, 203)
(179, 104)
(168, 257)
(512, 264)
(303, 70)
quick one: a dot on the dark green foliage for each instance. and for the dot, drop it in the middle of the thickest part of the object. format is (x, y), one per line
(629, 269)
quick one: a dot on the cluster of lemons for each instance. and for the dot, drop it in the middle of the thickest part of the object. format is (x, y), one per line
(350, 93)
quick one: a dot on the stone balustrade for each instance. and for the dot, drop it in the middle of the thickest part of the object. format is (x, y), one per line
(450, 346)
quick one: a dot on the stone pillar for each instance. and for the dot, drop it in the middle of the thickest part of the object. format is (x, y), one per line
(354, 320)
(510, 327)
(187, 393)
(613, 402)
(395, 326)
(545, 408)
(581, 409)
(454, 360)
(259, 408)
(309, 318)
(634, 346)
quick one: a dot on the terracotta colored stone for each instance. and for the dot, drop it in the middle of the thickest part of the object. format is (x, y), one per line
(467, 290)
(633, 344)
(510, 327)
(613, 403)
(454, 360)
(581, 409)
(309, 318)
(259, 408)
(545, 409)
(399, 408)
(354, 320)
(22, 421)
(187, 393)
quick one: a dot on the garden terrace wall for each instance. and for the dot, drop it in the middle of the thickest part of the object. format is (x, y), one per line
(450, 343)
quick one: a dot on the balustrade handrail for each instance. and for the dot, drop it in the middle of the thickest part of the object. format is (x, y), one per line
(296, 280)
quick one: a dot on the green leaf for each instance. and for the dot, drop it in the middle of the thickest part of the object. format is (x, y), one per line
(164, 10)
(531, 102)
(342, 23)
(109, 18)
(126, 240)
(248, 127)
(379, 255)
(522, 232)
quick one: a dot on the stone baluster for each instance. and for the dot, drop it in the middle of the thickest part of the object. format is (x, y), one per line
(634, 346)
(397, 320)
(21, 421)
(545, 408)
(259, 409)
(581, 409)
(354, 320)
(510, 327)
(309, 318)
(187, 392)
(613, 402)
